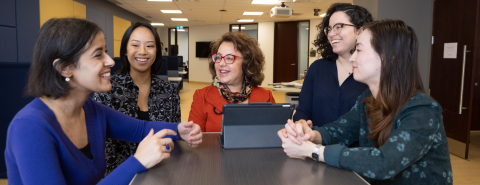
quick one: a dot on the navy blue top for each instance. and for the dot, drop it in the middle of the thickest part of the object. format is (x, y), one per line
(321, 99)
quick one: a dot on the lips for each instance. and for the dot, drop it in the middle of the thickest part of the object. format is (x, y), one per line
(141, 60)
(353, 68)
(106, 75)
(223, 72)
(333, 42)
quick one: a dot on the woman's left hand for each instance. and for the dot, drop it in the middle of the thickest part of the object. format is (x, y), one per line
(292, 149)
(190, 132)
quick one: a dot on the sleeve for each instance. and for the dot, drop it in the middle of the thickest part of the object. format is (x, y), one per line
(196, 111)
(417, 130)
(124, 173)
(123, 127)
(305, 99)
(177, 117)
(271, 98)
(103, 98)
(32, 149)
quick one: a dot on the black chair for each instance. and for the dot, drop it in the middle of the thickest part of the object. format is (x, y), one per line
(173, 70)
(117, 65)
(13, 77)
(163, 74)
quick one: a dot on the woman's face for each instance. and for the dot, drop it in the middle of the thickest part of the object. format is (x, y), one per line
(366, 62)
(344, 41)
(141, 50)
(92, 74)
(229, 74)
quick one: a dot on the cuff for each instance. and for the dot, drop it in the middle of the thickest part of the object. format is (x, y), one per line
(325, 135)
(174, 127)
(331, 154)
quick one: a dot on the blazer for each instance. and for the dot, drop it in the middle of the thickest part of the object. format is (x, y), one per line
(205, 100)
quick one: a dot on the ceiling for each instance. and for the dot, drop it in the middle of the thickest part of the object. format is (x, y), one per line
(207, 12)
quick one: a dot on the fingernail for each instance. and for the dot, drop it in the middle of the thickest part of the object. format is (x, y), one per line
(168, 147)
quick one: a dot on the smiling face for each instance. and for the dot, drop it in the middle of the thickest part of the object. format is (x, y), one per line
(92, 73)
(366, 62)
(344, 41)
(229, 74)
(141, 50)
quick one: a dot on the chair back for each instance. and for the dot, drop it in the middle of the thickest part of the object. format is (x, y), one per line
(164, 68)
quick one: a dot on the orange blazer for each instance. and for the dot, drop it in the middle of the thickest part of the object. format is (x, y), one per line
(204, 100)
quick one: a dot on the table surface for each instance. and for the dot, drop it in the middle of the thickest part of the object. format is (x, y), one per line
(210, 164)
(182, 72)
(286, 89)
(174, 78)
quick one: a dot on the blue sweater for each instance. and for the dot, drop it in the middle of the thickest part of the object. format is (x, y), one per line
(322, 100)
(39, 152)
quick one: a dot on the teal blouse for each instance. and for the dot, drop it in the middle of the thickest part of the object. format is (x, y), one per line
(415, 153)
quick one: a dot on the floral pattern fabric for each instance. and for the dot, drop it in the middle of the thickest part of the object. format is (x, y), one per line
(415, 153)
(163, 105)
(233, 97)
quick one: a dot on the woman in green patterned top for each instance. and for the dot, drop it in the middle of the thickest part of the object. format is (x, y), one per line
(399, 127)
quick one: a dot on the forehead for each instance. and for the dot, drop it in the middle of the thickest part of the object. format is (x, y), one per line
(364, 38)
(142, 33)
(339, 17)
(99, 40)
(227, 48)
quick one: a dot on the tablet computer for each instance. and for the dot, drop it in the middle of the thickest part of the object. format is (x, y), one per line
(254, 125)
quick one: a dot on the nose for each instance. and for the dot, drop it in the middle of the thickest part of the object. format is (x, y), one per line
(109, 61)
(222, 62)
(352, 58)
(142, 50)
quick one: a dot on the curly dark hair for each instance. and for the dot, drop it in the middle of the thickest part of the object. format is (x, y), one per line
(253, 58)
(358, 15)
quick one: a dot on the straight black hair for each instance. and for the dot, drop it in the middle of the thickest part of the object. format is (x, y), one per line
(65, 39)
(157, 64)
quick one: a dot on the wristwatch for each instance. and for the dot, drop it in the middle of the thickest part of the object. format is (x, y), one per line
(315, 152)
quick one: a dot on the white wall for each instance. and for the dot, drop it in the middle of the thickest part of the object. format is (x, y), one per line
(265, 39)
(163, 33)
(302, 48)
(183, 45)
(198, 67)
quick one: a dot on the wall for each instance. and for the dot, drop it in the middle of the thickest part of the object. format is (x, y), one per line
(313, 35)
(302, 48)
(265, 39)
(105, 21)
(113, 9)
(119, 27)
(252, 33)
(61, 8)
(198, 69)
(183, 45)
(163, 33)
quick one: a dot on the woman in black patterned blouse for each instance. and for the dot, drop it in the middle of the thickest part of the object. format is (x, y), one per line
(137, 92)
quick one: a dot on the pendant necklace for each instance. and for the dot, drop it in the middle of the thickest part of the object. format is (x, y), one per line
(344, 68)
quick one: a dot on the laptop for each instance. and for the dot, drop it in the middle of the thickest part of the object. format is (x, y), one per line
(254, 125)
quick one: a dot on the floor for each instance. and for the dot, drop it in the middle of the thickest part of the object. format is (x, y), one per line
(465, 172)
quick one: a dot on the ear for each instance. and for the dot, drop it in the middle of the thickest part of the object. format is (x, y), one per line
(66, 71)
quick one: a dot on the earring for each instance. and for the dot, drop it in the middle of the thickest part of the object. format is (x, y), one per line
(67, 79)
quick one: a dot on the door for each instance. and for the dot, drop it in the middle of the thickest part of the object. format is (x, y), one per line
(451, 79)
(285, 52)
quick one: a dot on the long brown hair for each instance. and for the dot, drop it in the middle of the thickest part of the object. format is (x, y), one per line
(396, 44)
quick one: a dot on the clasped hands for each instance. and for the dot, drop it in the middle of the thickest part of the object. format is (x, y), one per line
(298, 139)
(154, 147)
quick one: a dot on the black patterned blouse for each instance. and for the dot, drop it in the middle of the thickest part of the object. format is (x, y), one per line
(163, 105)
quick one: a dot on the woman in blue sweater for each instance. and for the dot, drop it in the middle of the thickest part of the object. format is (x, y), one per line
(329, 90)
(399, 128)
(59, 137)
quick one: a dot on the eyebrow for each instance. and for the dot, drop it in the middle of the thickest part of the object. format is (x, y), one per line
(147, 41)
(357, 44)
(97, 49)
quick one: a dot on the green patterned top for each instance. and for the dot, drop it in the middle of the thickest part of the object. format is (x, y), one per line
(415, 153)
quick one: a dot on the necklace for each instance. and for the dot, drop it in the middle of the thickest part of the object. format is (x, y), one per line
(142, 87)
(344, 68)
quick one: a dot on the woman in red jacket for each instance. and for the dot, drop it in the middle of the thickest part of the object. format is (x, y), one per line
(237, 71)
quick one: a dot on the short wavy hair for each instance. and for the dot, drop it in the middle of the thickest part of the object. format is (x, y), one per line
(358, 15)
(253, 58)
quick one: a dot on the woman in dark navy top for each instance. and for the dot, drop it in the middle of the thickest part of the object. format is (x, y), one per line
(329, 90)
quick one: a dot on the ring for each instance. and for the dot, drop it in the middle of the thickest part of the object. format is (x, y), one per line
(168, 147)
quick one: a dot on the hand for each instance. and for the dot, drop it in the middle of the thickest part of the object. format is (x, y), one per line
(309, 122)
(154, 148)
(304, 149)
(301, 129)
(190, 132)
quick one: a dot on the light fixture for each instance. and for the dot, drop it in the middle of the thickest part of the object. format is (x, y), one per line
(157, 24)
(323, 15)
(181, 30)
(171, 11)
(252, 13)
(264, 1)
(245, 20)
(179, 19)
(236, 27)
(162, 0)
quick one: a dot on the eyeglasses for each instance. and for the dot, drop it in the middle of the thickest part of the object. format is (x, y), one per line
(337, 28)
(229, 59)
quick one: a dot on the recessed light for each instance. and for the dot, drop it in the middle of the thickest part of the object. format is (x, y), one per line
(264, 1)
(323, 15)
(236, 27)
(171, 11)
(245, 20)
(252, 13)
(161, 0)
(179, 19)
(157, 24)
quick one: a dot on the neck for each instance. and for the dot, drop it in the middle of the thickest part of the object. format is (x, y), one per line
(345, 61)
(70, 105)
(235, 87)
(141, 79)
(374, 89)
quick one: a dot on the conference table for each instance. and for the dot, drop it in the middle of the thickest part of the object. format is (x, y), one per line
(210, 164)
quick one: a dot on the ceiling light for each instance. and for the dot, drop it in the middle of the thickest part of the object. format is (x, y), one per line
(157, 24)
(161, 0)
(179, 19)
(171, 11)
(236, 27)
(245, 20)
(252, 13)
(323, 15)
(264, 1)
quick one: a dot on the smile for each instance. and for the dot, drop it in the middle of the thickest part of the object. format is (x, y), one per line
(141, 59)
(105, 74)
(334, 41)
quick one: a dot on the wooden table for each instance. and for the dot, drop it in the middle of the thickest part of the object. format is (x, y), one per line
(175, 79)
(210, 164)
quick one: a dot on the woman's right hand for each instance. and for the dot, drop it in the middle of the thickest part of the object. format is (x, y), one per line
(154, 148)
(302, 129)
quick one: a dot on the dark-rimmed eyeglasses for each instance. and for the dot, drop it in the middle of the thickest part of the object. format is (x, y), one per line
(337, 28)
(229, 59)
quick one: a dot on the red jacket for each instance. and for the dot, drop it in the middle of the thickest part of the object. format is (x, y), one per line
(204, 100)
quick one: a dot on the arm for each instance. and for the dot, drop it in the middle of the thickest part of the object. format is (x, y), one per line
(405, 146)
(271, 99)
(32, 150)
(196, 111)
(305, 100)
(175, 98)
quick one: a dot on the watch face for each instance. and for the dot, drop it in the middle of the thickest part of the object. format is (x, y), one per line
(315, 156)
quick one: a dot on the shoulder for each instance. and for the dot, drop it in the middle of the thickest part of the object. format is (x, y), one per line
(35, 117)
(209, 90)
(163, 85)
(322, 63)
(422, 100)
(260, 94)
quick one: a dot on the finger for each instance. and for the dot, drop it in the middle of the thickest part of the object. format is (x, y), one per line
(165, 156)
(306, 137)
(309, 123)
(291, 123)
(290, 130)
(299, 128)
(196, 130)
(280, 134)
(165, 132)
(295, 140)
(195, 143)
(284, 132)
(150, 134)
(187, 124)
